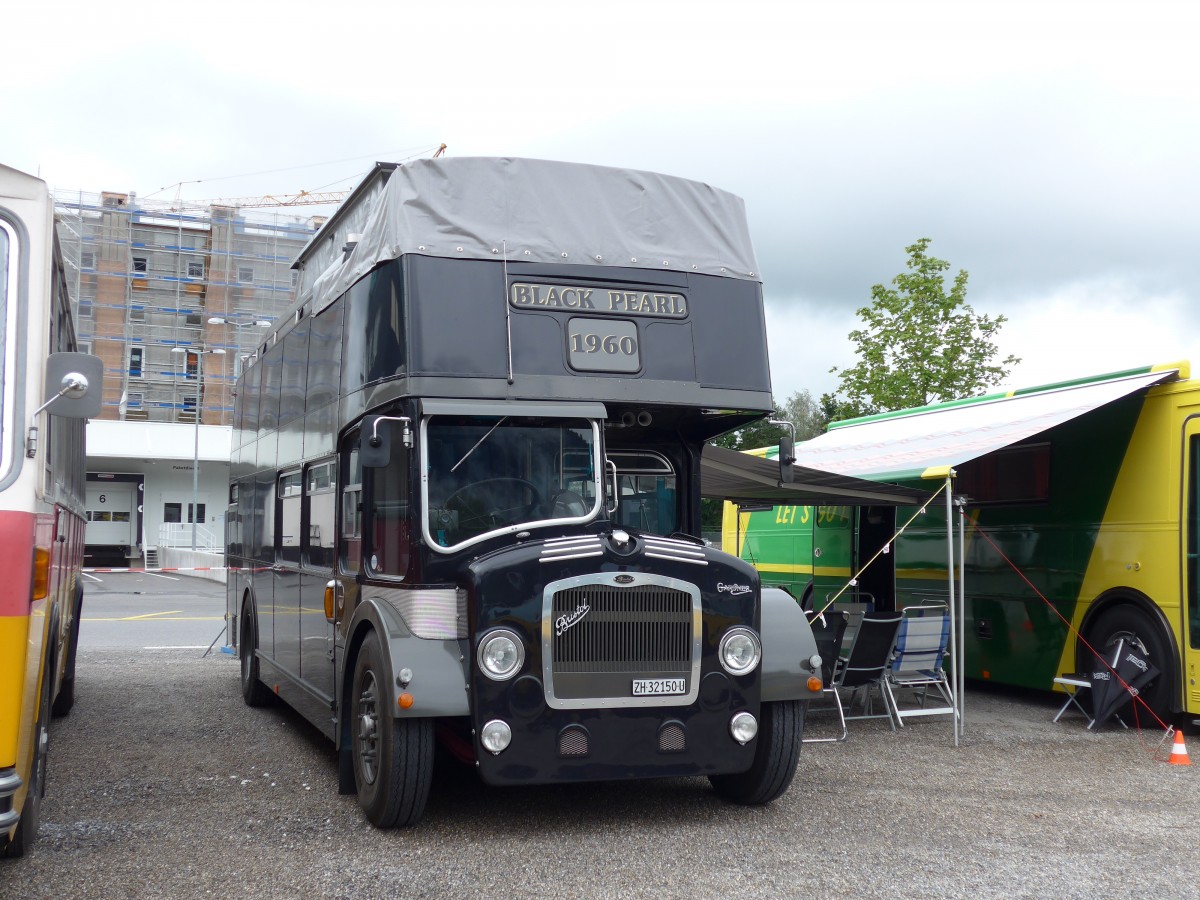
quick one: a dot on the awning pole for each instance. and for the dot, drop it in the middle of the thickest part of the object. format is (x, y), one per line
(954, 617)
(960, 673)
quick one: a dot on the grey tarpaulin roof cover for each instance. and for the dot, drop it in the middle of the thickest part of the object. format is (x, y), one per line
(528, 210)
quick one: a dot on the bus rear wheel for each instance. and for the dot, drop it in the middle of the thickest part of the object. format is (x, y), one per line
(254, 692)
(66, 691)
(1129, 622)
(775, 757)
(393, 758)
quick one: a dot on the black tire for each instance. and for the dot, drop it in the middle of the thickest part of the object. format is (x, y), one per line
(31, 811)
(806, 599)
(254, 692)
(781, 727)
(1129, 622)
(393, 758)
(66, 691)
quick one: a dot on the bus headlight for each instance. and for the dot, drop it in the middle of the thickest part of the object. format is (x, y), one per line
(743, 727)
(495, 736)
(740, 651)
(501, 655)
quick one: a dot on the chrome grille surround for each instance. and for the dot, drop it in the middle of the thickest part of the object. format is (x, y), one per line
(615, 628)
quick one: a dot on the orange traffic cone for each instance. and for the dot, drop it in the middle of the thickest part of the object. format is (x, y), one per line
(1179, 754)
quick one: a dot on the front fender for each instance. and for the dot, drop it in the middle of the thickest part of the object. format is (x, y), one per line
(438, 686)
(787, 646)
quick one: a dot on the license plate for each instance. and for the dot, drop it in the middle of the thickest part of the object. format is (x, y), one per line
(648, 687)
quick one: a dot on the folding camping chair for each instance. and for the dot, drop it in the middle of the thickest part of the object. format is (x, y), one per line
(829, 631)
(854, 611)
(917, 662)
(1113, 682)
(865, 667)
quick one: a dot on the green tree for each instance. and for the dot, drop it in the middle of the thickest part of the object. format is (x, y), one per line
(919, 344)
(804, 412)
(757, 434)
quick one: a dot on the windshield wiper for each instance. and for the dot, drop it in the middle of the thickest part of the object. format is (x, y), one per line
(499, 422)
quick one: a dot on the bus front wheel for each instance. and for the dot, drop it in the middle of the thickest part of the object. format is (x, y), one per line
(775, 757)
(1128, 622)
(31, 812)
(393, 758)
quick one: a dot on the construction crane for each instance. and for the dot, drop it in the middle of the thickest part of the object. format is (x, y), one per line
(303, 198)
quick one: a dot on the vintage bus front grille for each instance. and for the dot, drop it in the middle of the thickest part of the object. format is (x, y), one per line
(607, 641)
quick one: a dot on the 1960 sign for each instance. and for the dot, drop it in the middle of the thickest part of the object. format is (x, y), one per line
(603, 345)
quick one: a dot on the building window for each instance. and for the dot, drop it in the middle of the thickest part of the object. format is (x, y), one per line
(135, 362)
(137, 314)
(195, 270)
(87, 259)
(200, 508)
(245, 275)
(133, 399)
(86, 310)
(193, 319)
(173, 513)
(139, 265)
(191, 364)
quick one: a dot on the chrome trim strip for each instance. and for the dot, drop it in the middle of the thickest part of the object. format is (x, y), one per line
(10, 782)
(683, 559)
(559, 558)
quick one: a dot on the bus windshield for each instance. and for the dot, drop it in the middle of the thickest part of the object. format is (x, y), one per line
(497, 474)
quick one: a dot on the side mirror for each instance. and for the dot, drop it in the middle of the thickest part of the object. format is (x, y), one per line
(73, 385)
(787, 456)
(375, 447)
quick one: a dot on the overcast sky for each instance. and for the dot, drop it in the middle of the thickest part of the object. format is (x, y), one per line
(1049, 148)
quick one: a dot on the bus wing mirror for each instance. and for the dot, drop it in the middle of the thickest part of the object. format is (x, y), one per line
(787, 457)
(73, 385)
(375, 448)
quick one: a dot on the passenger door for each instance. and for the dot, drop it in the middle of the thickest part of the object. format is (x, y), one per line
(1190, 537)
(833, 554)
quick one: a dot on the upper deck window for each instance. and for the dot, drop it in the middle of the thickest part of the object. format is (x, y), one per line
(490, 475)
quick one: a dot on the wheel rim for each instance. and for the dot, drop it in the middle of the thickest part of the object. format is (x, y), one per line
(367, 724)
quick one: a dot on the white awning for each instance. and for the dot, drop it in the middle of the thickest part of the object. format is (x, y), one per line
(930, 441)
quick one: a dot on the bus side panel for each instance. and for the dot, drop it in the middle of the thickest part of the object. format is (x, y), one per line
(777, 542)
(22, 641)
(1012, 635)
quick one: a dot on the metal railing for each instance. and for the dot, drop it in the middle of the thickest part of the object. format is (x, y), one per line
(179, 534)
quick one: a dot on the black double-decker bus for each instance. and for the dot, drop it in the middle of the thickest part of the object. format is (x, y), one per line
(465, 490)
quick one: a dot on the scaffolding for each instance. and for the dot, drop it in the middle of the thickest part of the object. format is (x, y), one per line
(174, 299)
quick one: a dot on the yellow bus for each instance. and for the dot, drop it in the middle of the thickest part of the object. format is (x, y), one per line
(48, 389)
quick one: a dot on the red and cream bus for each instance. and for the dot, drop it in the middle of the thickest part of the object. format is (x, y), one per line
(47, 391)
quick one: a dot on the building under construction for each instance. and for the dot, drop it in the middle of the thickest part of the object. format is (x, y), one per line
(173, 298)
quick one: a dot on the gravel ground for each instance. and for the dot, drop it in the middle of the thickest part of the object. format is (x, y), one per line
(163, 784)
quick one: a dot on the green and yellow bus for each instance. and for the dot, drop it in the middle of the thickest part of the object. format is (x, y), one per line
(1081, 505)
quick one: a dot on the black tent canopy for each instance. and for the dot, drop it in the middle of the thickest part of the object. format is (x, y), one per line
(740, 477)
